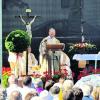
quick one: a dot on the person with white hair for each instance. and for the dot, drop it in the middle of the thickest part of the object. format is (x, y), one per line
(45, 95)
(67, 85)
(15, 95)
(13, 85)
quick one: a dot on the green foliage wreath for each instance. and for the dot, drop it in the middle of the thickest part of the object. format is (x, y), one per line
(17, 41)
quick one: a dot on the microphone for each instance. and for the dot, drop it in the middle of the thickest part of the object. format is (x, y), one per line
(45, 40)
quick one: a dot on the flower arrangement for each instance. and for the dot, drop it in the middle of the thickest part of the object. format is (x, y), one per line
(86, 46)
(6, 72)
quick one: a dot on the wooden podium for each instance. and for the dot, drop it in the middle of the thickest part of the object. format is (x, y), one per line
(53, 48)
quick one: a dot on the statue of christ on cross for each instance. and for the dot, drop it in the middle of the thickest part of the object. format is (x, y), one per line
(28, 25)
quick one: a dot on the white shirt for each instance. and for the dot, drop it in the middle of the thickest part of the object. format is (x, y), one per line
(26, 90)
(12, 88)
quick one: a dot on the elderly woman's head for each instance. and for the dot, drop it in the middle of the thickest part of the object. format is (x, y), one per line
(67, 85)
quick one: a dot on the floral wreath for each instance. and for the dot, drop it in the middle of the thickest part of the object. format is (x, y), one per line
(82, 45)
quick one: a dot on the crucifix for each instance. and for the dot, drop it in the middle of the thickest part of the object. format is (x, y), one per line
(28, 25)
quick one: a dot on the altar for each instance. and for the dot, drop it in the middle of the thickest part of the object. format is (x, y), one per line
(86, 57)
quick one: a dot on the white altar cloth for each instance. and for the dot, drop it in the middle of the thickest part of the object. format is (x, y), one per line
(86, 57)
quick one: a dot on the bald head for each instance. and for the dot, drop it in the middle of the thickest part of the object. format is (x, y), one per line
(15, 95)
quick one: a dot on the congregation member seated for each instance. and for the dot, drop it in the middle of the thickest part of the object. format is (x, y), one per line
(13, 85)
(55, 90)
(67, 85)
(38, 84)
(68, 95)
(78, 93)
(15, 95)
(49, 84)
(30, 95)
(27, 83)
(3, 94)
(45, 95)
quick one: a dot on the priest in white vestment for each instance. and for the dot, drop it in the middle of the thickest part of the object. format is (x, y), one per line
(18, 62)
(48, 58)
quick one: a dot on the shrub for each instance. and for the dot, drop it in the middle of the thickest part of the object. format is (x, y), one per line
(17, 41)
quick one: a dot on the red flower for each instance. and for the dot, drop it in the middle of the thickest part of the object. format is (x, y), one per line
(57, 72)
(6, 71)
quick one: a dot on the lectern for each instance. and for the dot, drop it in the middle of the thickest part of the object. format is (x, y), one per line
(53, 48)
